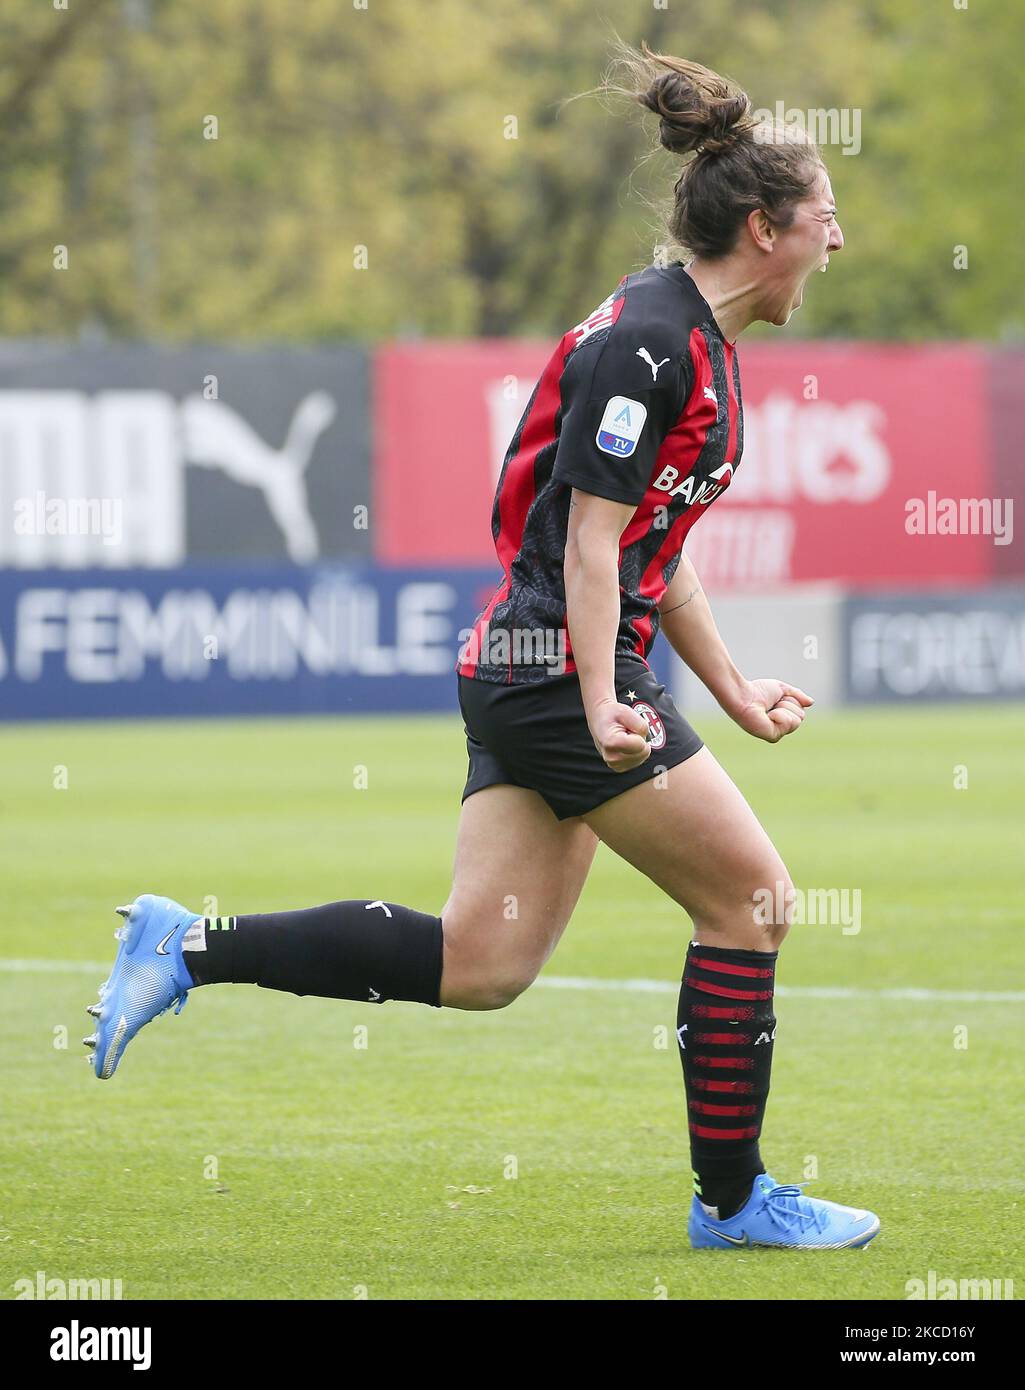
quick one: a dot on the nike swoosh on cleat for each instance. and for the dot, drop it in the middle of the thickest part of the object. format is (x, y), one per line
(744, 1239)
(163, 942)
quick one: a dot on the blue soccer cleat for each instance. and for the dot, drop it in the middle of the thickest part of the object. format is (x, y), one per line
(149, 976)
(785, 1218)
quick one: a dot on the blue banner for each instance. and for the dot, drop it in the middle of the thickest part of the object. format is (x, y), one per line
(936, 646)
(235, 640)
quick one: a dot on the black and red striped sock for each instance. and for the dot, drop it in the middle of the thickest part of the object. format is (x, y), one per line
(725, 1026)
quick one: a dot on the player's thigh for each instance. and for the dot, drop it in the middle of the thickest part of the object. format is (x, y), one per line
(518, 874)
(693, 833)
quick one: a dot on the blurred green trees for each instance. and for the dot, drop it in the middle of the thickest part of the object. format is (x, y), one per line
(432, 135)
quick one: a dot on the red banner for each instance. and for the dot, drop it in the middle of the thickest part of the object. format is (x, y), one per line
(443, 417)
(861, 463)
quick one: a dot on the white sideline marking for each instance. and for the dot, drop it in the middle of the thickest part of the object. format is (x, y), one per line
(13, 966)
(796, 991)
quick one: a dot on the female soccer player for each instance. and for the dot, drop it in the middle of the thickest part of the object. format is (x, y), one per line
(632, 431)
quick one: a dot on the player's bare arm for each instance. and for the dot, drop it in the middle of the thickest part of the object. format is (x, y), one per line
(767, 708)
(591, 570)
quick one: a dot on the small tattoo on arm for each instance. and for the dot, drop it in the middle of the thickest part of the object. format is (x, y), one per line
(683, 604)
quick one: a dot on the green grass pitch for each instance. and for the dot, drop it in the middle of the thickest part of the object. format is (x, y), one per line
(251, 1149)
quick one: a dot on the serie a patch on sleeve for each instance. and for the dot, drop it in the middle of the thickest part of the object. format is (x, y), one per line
(621, 426)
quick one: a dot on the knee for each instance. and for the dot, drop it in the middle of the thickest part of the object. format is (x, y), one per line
(480, 981)
(485, 991)
(482, 970)
(757, 919)
(774, 906)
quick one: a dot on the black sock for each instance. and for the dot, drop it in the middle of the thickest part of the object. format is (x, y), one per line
(349, 950)
(725, 1027)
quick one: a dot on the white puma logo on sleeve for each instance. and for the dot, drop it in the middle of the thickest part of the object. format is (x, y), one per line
(643, 352)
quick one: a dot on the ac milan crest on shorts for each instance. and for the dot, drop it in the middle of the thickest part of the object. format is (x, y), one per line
(536, 736)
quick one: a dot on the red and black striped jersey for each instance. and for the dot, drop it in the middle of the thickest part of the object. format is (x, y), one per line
(641, 404)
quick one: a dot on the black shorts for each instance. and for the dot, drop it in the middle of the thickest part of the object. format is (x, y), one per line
(536, 736)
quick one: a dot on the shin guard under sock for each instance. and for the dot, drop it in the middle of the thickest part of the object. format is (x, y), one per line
(346, 950)
(725, 1027)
